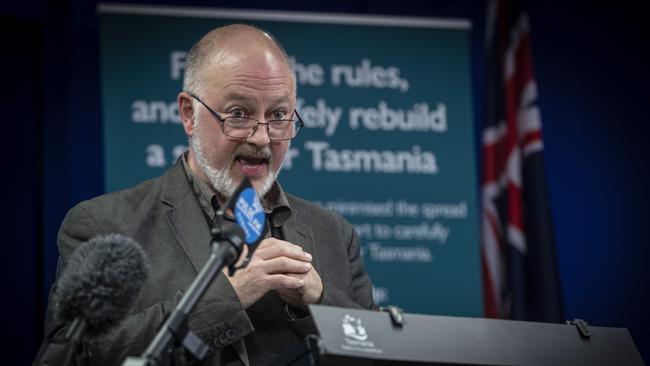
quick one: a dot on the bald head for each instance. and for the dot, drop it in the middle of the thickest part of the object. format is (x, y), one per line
(226, 45)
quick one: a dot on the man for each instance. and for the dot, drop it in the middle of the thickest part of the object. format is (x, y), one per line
(238, 111)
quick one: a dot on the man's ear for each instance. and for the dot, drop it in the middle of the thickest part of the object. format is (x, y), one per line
(186, 112)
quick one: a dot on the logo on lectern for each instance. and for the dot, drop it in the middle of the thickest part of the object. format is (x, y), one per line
(353, 328)
(356, 336)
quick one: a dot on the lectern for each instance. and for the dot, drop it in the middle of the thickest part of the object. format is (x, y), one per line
(362, 337)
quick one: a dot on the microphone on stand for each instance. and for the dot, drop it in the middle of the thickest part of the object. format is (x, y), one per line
(175, 343)
(94, 293)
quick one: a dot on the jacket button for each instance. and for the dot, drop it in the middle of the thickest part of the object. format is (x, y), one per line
(231, 334)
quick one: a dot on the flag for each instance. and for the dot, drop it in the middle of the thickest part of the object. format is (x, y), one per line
(520, 275)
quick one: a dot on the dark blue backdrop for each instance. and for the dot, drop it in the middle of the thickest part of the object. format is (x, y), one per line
(592, 72)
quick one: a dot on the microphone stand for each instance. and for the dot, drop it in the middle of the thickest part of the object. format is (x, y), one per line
(174, 339)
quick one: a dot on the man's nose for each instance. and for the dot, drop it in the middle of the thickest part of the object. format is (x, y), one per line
(260, 136)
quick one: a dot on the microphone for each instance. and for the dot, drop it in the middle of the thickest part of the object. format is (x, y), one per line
(249, 215)
(94, 293)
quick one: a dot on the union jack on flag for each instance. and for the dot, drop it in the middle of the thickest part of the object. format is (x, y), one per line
(520, 274)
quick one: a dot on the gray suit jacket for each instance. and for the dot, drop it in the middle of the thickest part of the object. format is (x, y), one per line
(164, 216)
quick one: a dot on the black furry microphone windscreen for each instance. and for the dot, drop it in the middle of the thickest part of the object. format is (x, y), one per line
(100, 282)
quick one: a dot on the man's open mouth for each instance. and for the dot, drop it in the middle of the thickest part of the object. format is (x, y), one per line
(252, 166)
(252, 160)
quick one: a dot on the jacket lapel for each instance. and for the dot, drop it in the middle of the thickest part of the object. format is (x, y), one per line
(185, 216)
(300, 235)
(189, 225)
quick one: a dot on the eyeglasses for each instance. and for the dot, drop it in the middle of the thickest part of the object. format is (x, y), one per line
(244, 127)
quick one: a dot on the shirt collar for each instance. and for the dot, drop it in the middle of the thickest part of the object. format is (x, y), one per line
(275, 202)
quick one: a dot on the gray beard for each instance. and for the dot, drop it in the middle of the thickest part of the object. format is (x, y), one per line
(220, 178)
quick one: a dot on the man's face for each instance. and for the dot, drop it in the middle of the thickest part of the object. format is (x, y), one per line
(257, 85)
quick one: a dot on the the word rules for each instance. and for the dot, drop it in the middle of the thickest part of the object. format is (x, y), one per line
(362, 75)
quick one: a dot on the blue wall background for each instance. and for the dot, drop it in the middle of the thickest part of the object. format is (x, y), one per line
(591, 64)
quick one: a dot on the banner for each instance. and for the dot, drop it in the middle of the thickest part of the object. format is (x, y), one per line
(387, 143)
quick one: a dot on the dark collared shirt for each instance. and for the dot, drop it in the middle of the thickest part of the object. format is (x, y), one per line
(275, 202)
